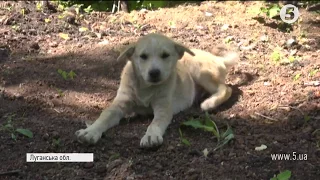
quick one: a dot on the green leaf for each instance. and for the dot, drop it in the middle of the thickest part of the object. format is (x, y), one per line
(291, 58)
(25, 132)
(60, 71)
(180, 132)
(276, 56)
(114, 156)
(307, 118)
(197, 124)
(47, 20)
(224, 141)
(13, 136)
(297, 76)
(193, 123)
(274, 11)
(285, 175)
(56, 142)
(313, 72)
(72, 74)
(64, 75)
(185, 141)
(8, 126)
(227, 132)
(64, 36)
(264, 10)
(210, 123)
(88, 9)
(83, 29)
(226, 137)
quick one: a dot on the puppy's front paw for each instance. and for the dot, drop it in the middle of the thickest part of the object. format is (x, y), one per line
(152, 138)
(89, 136)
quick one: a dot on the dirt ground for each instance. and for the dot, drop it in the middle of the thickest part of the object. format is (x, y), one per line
(271, 102)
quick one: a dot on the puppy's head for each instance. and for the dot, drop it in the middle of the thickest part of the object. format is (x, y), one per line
(154, 57)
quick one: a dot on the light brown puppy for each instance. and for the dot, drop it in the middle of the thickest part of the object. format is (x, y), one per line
(161, 78)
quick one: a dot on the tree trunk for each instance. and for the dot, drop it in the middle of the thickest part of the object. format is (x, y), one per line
(124, 6)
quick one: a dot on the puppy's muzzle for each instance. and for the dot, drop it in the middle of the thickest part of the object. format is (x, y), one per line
(154, 75)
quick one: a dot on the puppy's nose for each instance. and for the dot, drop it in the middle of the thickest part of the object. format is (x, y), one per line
(154, 73)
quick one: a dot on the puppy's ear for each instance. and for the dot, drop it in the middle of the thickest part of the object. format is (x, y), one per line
(126, 54)
(181, 49)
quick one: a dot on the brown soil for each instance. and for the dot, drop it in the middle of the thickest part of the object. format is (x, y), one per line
(36, 97)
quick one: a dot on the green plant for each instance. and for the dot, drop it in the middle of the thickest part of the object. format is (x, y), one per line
(56, 142)
(276, 55)
(77, 8)
(60, 92)
(114, 156)
(15, 27)
(291, 58)
(183, 140)
(23, 11)
(65, 75)
(209, 125)
(13, 131)
(306, 118)
(8, 7)
(64, 36)
(271, 10)
(89, 6)
(153, 4)
(297, 77)
(313, 72)
(316, 133)
(88, 9)
(47, 20)
(228, 39)
(39, 6)
(285, 175)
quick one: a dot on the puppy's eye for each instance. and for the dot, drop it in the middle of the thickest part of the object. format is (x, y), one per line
(164, 55)
(144, 56)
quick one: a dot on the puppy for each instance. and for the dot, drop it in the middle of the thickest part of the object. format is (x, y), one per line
(161, 77)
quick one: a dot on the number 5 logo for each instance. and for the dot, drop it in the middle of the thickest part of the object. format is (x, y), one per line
(286, 11)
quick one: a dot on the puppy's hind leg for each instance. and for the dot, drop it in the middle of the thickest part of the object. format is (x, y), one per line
(219, 93)
(223, 94)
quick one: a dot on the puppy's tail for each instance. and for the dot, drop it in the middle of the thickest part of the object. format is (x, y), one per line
(229, 58)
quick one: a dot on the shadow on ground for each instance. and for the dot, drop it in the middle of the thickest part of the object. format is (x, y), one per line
(118, 155)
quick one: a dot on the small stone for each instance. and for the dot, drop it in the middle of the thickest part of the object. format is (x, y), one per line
(45, 136)
(191, 171)
(70, 19)
(170, 148)
(225, 27)
(35, 46)
(118, 143)
(318, 153)
(113, 164)
(53, 44)
(158, 166)
(88, 165)
(292, 41)
(266, 83)
(55, 135)
(101, 169)
(99, 35)
(195, 153)
(307, 130)
(264, 38)
(4, 53)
